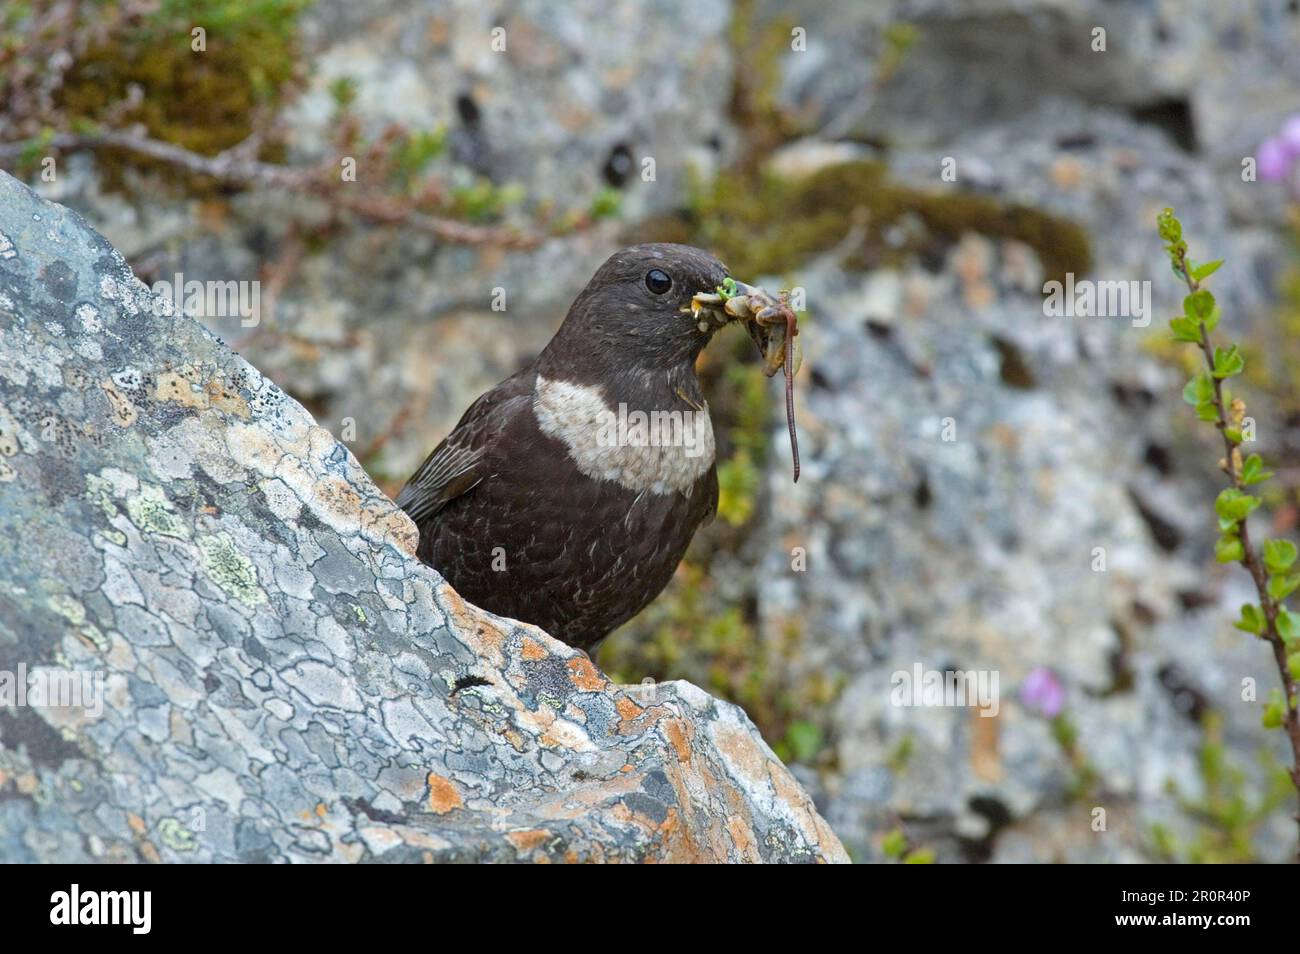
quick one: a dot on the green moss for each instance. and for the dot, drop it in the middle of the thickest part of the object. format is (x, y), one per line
(204, 101)
(755, 104)
(761, 224)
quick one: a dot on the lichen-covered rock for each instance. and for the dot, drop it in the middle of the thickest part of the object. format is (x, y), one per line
(268, 672)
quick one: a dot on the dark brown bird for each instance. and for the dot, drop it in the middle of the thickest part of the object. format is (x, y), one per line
(554, 501)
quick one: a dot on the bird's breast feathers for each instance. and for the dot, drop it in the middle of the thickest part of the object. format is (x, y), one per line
(660, 451)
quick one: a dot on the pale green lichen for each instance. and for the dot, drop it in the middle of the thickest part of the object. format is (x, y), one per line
(230, 569)
(69, 608)
(92, 633)
(151, 512)
(175, 835)
(99, 491)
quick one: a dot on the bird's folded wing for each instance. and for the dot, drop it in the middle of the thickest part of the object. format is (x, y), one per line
(459, 463)
(712, 491)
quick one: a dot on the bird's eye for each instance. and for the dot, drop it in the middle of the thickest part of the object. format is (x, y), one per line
(657, 281)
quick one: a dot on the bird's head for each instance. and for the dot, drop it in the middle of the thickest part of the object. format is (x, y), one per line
(640, 310)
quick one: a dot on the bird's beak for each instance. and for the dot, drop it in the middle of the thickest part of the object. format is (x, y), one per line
(735, 300)
(724, 305)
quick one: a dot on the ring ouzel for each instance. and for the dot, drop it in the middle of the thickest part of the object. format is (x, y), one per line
(553, 501)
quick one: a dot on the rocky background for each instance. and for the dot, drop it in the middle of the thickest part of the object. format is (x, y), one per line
(806, 143)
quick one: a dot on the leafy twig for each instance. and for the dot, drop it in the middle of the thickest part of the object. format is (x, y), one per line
(239, 166)
(1272, 569)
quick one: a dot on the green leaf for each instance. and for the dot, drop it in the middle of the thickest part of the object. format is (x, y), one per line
(1233, 434)
(1293, 665)
(1212, 320)
(1171, 230)
(1185, 329)
(1229, 362)
(1205, 271)
(1199, 389)
(1232, 503)
(1281, 586)
(1229, 549)
(1252, 619)
(1279, 555)
(1207, 411)
(1253, 472)
(1199, 305)
(922, 856)
(1275, 711)
(1287, 626)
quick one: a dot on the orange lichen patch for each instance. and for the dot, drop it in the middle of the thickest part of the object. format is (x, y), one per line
(150, 853)
(136, 823)
(571, 857)
(585, 675)
(226, 399)
(124, 412)
(741, 753)
(814, 827)
(339, 496)
(443, 795)
(563, 734)
(532, 650)
(175, 387)
(386, 522)
(321, 810)
(476, 630)
(254, 448)
(528, 839)
(703, 834)
(678, 734)
(741, 835)
(627, 709)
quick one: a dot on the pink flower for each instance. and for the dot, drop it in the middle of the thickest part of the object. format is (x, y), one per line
(1290, 136)
(1274, 159)
(1042, 692)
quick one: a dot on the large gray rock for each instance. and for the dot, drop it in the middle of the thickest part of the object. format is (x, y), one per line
(269, 673)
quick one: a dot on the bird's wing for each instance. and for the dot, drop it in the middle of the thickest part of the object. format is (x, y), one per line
(458, 464)
(712, 491)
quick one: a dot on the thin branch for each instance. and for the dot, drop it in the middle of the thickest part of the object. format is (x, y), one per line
(1250, 559)
(239, 166)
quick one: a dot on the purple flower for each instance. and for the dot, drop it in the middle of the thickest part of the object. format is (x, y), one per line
(1274, 159)
(1290, 136)
(1042, 692)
